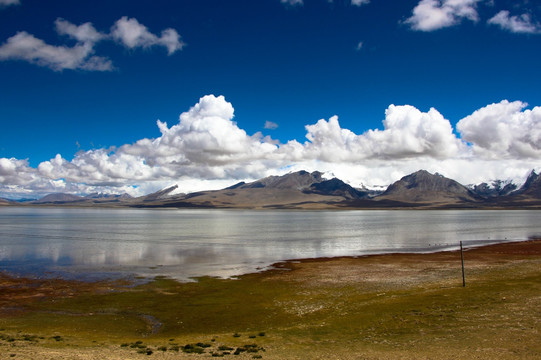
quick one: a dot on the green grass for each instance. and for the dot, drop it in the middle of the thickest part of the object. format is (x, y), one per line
(499, 309)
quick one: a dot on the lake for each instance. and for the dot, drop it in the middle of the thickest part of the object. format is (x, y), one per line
(107, 243)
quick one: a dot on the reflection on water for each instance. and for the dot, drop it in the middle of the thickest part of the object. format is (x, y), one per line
(190, 243)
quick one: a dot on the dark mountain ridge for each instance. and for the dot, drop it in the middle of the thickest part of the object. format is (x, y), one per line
(302, 189)
(59, 198)
(532, 186)
(496, 188)
(425, 187)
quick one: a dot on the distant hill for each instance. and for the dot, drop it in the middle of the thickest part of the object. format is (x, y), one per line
(58, 198)
(294, 190)
(494, 189)
(531, 188)
(4, 202)
(89, 200)
(101, 196)
(336, 187)
(304, 190)
(298, 180)
(424, 187)
(160, 195)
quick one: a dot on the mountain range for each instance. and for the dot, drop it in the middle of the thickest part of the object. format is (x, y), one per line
(305, 190)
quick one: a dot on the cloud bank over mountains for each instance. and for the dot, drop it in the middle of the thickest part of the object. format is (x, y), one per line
(207, 149)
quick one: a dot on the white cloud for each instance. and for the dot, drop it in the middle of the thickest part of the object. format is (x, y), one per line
(85, 33)
(26, 47)
(292, 2)
(430, 15)
(207, 150)
(359, 2)
(9, 2)
(271, 125)
(504, 130)
(359, 46)
(132, 34)
(206, 144)
(515, 24)
(407, 133)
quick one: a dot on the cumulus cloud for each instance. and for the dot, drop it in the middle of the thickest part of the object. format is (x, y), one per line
(5, 3)
(85, 33)
(206, 149)
(407, 133)
(359, 2)
(504, 130)
(129, 32)
(19, 180)
(430, 15)
(359, 46)
(24, 46)
(271, 125)
(515, 24)
(292, 2)
(133, 34)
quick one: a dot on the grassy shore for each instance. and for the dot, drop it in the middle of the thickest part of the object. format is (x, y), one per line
(403, 306)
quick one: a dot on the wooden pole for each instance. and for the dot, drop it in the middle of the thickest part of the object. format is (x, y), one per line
(462, 260)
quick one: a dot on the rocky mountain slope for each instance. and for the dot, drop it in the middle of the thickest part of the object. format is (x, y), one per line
(4, 202)
(424, 187)
(59, 198)
(494, 189)
(531, 188)
(298, 189)
(313, 191)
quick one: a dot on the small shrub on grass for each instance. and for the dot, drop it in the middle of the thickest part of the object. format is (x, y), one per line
(145, 351)
(57, 338)
(30, 338)
(203, 345)
(138, 345)
(193, 349)
(252, 336)
(124, 345)
(257, 357)
(239, 350)
(162, 348)
(236, 335)
(224, 348)
(261, 334)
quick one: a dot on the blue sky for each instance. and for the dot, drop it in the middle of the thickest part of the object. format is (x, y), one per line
(89, 79)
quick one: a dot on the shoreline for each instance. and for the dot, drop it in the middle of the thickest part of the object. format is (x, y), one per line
(527, 206)
(132, 276)
(132, 279)
(136, 277)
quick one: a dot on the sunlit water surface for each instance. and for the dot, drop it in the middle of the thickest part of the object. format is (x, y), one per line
(98, 243)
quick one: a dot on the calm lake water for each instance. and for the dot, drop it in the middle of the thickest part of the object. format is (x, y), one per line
(97, 243)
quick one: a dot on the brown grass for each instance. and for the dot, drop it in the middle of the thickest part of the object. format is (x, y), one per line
(403, 306)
